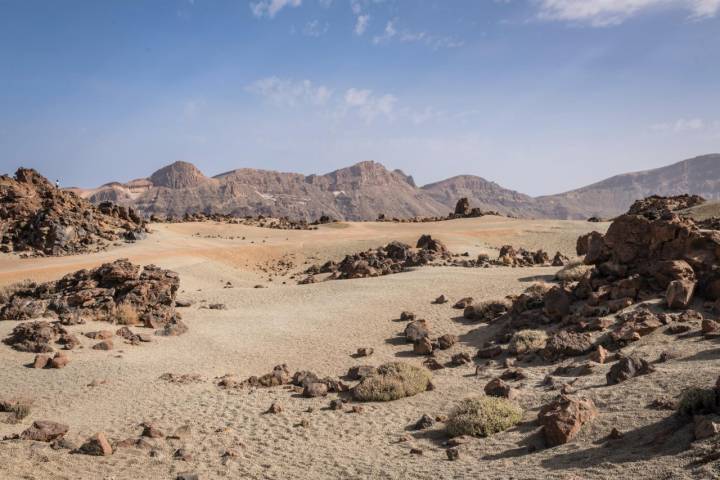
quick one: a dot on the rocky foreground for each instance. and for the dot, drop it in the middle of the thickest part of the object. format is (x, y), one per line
(601, 370)
(36, 218)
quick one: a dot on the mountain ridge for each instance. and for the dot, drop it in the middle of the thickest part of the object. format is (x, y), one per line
(367, 189)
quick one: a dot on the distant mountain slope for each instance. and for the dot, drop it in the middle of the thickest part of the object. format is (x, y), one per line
(359, 192)
(364, 190)
(699, 176)
(483, 194)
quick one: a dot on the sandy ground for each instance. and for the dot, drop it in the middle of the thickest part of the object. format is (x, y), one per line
(317, 327)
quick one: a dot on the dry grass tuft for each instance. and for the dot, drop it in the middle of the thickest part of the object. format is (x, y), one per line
(698, 401)
(527, 341)
(483, 416)
(8, 291)
(127, 315)
(392, 381)
(573, 272)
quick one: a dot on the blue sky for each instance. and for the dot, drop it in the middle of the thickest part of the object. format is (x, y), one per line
(538, 95)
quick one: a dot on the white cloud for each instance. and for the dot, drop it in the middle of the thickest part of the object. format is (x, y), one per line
(290, 93)
(682, 125)
(406, 36)
(358, 102)
(269, 8)
(369, 106)
(315, 29)
(603, 13)
(361, 23)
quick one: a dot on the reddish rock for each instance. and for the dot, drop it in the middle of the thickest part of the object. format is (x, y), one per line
(41, 361)
(423, 346)
(44, 431)
(417, 330)
(315, 390)
(60, 360)
(627, 368)
(679, 293)
(446, 341)
(563, 418)
(599, 355)
(100, 335)
(498, 388)
(104, 345)
(96, 445)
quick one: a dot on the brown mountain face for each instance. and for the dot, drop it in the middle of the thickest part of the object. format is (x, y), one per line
(359, 192)
(698, 176)
(367, 189)
(488, 196)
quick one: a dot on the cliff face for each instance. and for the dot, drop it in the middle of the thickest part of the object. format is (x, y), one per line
(367, 189)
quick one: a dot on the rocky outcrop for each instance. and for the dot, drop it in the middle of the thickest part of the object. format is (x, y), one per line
(119, 292)
(37, 218)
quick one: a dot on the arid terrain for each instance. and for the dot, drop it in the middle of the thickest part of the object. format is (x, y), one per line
(226, 433)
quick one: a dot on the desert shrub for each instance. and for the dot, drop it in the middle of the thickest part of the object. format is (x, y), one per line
(483, 416)
(697, 401)
(7, 291)
(392, 381)
(573, 271)
(19, 409)
(526, 341)
(126, 315)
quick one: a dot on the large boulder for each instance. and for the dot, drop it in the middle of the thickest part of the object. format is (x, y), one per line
(626, 368)
(563, 418)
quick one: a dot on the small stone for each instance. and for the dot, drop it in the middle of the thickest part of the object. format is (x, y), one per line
(104, 345)
(599, 355)
(96, 445)
(316, 389)
(440, 300)
(416, 451)
(425, 422)
(452, 454)
(41, 361)
(275, 407)
(364, 352)
(150, 430)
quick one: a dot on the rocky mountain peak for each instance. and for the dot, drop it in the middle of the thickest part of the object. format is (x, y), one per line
(178, 175)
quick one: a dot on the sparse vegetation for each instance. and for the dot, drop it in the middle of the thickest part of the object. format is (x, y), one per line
(698, 401)
(392, 381)
(19, 409)
(8, 291)
(528, 341)
(573, 271)
(483, 416)
(127, 315)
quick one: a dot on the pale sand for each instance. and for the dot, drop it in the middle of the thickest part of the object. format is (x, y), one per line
(317, 327)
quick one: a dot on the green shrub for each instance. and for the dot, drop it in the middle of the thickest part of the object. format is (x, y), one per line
(526, 341)
(697, 401)
(483, 416)
(392, 381)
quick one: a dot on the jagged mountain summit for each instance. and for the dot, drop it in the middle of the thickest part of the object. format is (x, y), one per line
(367, 189)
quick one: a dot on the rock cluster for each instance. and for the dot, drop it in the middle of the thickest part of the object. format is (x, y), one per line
(38, 218)
(119, 292)
(281, 223)
(395, 257)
